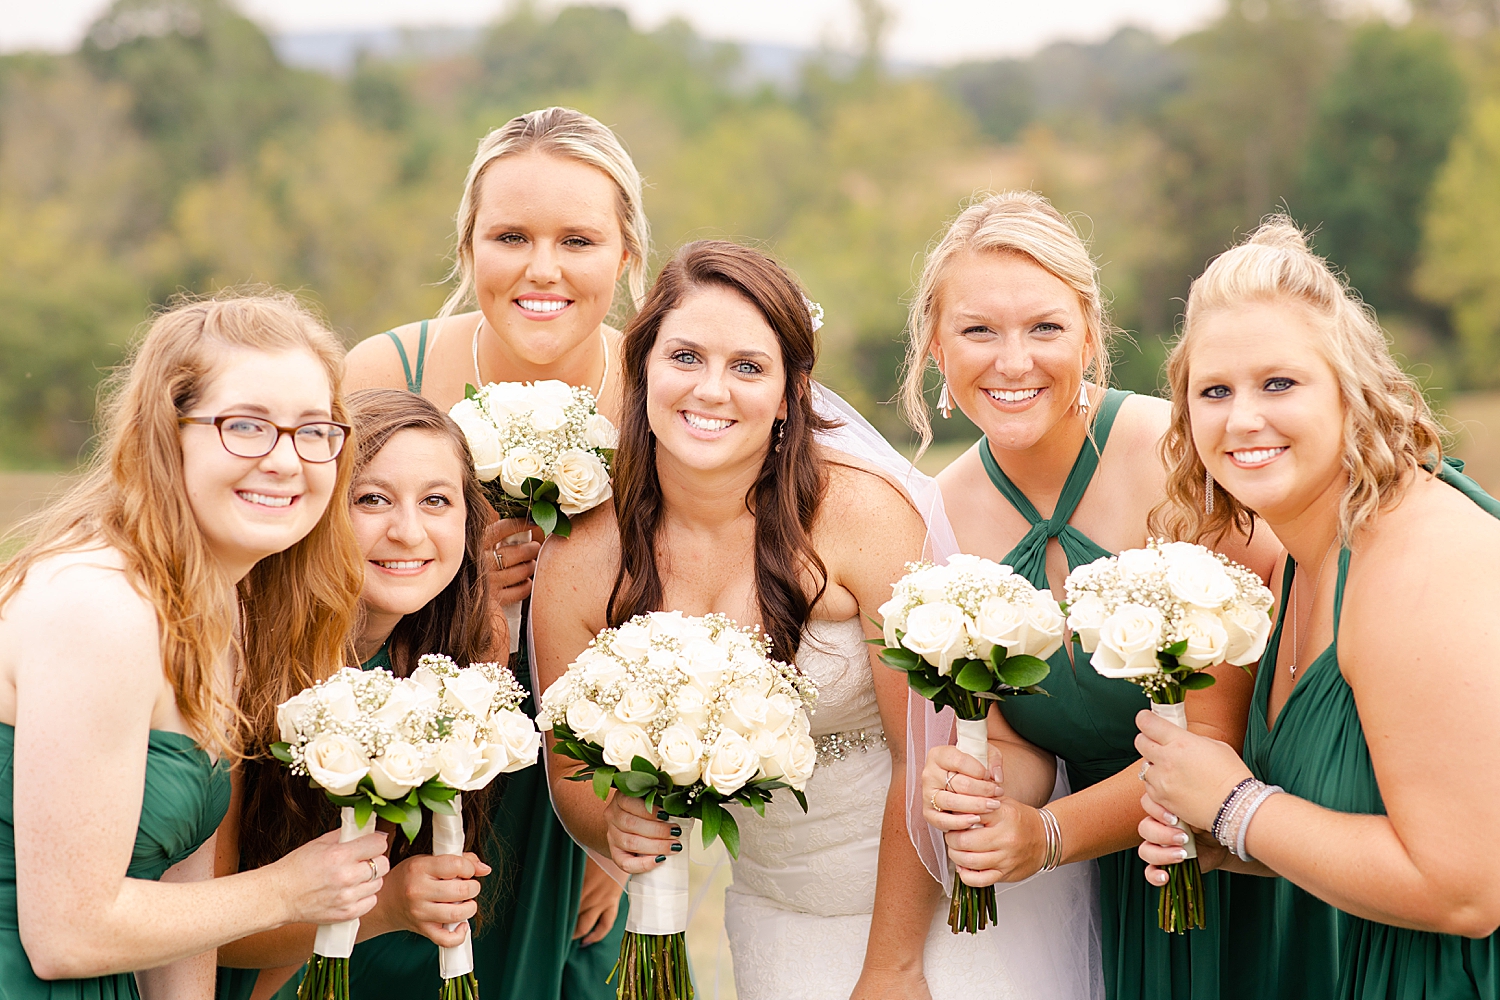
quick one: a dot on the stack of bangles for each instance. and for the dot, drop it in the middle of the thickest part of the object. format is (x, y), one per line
(1236, 812)
(1052, 856)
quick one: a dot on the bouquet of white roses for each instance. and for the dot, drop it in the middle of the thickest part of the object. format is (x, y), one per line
(541, 449)
(1159, 617)
(384, 746)
(968, 635)
(687, 714)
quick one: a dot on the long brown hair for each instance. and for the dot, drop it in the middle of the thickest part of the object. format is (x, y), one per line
(792, 480)
(1389, 431)
(281, 813)
(296, 606)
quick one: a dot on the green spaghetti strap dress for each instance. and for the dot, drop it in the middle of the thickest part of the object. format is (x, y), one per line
(1089, 721)
(186, 796)
(1287, 942)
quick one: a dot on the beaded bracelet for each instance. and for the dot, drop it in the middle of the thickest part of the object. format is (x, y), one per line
(1053, 853)
(1266, 792)
(1232, 802)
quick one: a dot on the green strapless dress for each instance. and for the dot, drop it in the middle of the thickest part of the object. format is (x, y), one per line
(1288, 943)
(524, 949)
(1089, 721)
(186, 796)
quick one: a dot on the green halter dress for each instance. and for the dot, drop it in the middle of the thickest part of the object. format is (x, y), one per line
(1287, 943)
(1089, 721)
(185, 799)
(524, 947)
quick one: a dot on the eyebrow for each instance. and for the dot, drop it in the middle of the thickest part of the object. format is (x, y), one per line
(748, 352)
(431, 484)
(1056, 315)
(255, 409)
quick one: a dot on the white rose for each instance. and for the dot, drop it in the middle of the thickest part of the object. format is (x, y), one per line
(892, 617)
(399, 769)
(588, 721)
(546, 418)
(519, 465)
(1141, 562)
(1086, 617)
(631, 641)
(457, 760)
(625, 743)
(965, 560)
(336, 763)
(338, 697)
(293, 713)
(780, 710)
(406, 696)
(999, 623)
(515, 731)
(1128, 642)
(1197, 578)
(930, 584)
(492, 760)
(506, 399)
(732, 761)
(598, 432)
(550, 392)
(1206, 639)
(797, 766)
(483, 438)
(429, 679)
(470, 692)
(748, 710)
(582, 481)
(1248, 628)
(935, 632)
(772, 749)
(637, 708)
(704, 663)
(1044, 626)
(600, 669)
(681, 754)
(691, 706)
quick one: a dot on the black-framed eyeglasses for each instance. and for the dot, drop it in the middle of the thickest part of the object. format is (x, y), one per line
(251, 437)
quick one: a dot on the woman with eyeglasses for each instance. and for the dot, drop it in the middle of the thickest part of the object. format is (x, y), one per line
(194, 575)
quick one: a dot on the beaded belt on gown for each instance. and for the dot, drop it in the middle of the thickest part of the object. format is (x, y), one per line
(839, 746)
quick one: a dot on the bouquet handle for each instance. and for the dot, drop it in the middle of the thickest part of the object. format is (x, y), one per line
(337, 940)
(1177, 715)
(974, 739)
(659, 898)
(448, 838)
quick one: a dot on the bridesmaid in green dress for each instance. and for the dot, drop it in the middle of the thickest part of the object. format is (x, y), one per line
(549, 224)
(221, 448)
(1067, 471)
(419, 518)
(1363, 811)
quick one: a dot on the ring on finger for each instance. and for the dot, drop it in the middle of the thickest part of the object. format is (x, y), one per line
(374, 869)
(933, 801)
(499, 561)
(1145, 765)
(948, 785)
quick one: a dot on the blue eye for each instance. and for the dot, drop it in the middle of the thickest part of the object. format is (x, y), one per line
(747, 368)
(684, 357)
(1216, 392)
(1279, 384)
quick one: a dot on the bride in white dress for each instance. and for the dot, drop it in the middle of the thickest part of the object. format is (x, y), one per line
(720, 423)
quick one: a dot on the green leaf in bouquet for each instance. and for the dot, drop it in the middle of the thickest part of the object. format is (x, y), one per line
(411, 824)
(362, 810)
(390, 813)
(729, 832)
(801, 798)
(1023, 671)
(545, 515)
(675, 802)
(759, 805)
(469, 391)
(1177, 648)
(604, 777)
(712, 817)
(282, 751)
(1198, 681)
(634, 783)
(442, 807)
(564, 526)
(923, 685)
(546, 491)
(435, 789)
(899, 657)
(641, 764)
(975, 676)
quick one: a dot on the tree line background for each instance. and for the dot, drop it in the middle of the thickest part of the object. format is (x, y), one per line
(174, 151)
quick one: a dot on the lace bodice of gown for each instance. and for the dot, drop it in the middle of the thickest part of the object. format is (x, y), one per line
(835, 656)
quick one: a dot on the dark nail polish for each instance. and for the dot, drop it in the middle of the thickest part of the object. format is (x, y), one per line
(676, 830)
(676, 848)
(661, 814)
(660, 858)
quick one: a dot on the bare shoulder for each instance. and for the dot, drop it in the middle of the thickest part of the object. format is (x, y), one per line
(375, 363)
(1142, 419)
(64, 585)
(964, 473)
(583, 565)
(857, 489)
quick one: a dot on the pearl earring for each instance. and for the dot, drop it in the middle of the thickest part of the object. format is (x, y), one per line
(945, 401)
(1208, 493)
(1083, 397)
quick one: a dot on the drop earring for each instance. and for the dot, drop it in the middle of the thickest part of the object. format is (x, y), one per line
(1208, 493)
(780, 434)
(945, 401)
(1083, 398)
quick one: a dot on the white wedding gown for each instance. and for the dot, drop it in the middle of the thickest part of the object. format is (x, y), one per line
(798, 913)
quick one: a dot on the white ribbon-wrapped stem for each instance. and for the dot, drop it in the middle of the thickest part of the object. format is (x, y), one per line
(513, 611)
(659, 901)
(1177, 715)
(448, 838)
(974, 739)
(337, 940)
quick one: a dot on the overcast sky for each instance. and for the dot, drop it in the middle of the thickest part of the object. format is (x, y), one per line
(931, 31)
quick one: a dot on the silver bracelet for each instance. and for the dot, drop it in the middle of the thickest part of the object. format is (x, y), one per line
(1266, 792)
(1052, 856)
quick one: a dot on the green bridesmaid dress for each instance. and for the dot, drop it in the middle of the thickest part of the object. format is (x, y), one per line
(186, 797)
(1287, 942)
(1089, 721)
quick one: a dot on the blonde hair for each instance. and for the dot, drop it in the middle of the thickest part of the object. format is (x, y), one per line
(296, 607)
(1019, 222)
(1389, 431)
(561, 132)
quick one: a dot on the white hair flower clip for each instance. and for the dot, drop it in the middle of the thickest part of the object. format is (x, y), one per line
(814, 310)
